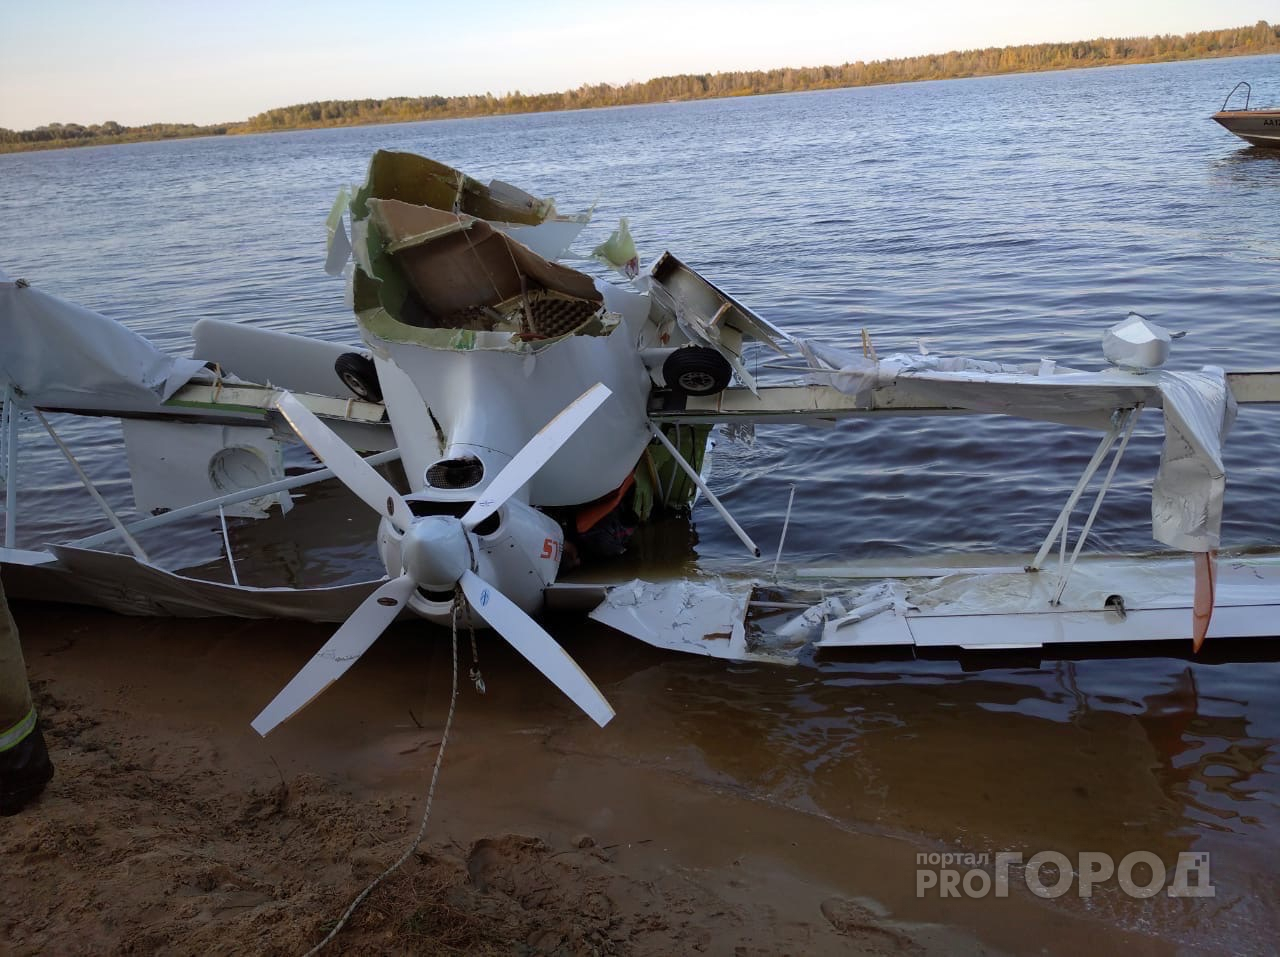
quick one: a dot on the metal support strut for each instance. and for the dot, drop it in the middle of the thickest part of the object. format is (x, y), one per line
(1059, 525)
(209, 505)
(702, 486)
(1125, 421)
(134, 547)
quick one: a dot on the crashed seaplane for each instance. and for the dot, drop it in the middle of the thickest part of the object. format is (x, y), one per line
(531, 406)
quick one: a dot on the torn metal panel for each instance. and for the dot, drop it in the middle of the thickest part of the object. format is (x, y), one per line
(550, 239)
(420, 181)
(711, 313)
(692, 617)
(633, 308)
(122, 584)
(1106, 599)
(338, 244)
(461, 273)
(859, 604)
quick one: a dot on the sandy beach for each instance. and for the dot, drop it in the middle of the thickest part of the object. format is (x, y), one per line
(172, 828)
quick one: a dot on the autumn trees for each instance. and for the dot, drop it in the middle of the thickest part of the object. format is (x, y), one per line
(1262, 37)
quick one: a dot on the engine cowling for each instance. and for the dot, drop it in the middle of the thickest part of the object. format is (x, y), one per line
(518, 550)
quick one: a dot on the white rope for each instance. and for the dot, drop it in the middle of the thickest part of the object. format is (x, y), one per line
(431, 793)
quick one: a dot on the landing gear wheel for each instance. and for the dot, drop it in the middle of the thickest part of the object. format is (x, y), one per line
(697, 370)
(358, 374)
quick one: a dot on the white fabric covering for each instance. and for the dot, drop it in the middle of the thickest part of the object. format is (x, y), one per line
(59, 355)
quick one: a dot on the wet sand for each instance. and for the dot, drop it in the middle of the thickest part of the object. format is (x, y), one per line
(172, 828)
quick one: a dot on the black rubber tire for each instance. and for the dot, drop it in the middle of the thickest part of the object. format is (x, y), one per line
(359, 374)
(697, 370)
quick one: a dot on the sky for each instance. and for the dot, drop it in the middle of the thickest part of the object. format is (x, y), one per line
(145, 61)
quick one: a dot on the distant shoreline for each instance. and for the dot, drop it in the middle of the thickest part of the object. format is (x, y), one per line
(1259, 39)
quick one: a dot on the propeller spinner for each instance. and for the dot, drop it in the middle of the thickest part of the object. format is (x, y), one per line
(438, 554)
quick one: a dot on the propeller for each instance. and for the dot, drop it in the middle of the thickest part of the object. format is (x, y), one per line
(542, 651)
(353, 639)
(437, 554)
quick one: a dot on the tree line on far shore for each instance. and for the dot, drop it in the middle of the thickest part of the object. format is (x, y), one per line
(1258, 39)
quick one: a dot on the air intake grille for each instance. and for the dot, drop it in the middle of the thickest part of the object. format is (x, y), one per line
(455, 473)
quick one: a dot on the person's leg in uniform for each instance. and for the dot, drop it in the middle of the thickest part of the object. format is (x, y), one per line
(25, 767)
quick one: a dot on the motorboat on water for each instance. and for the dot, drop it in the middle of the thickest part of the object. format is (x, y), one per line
(1258, 127)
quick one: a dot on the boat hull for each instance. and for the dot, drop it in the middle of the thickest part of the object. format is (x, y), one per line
(1257, 127)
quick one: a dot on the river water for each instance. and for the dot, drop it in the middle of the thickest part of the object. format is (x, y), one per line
(1009, 218)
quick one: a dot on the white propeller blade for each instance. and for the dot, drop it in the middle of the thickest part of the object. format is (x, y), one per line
(535, 454)
(354, 472)
(339, 653)
(527, 637)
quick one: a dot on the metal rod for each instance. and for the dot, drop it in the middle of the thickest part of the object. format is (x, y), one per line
(783, 537)
(10, 468)
(1131, 420)
(134, 547)
(226, 540)
(1099, 454)
(199, 508)
(671, 480)
(697, 480)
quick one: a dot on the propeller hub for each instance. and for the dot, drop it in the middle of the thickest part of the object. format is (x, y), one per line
(436, 552)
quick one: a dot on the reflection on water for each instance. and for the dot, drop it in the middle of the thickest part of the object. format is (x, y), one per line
(326, 539)
(1157, 754)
